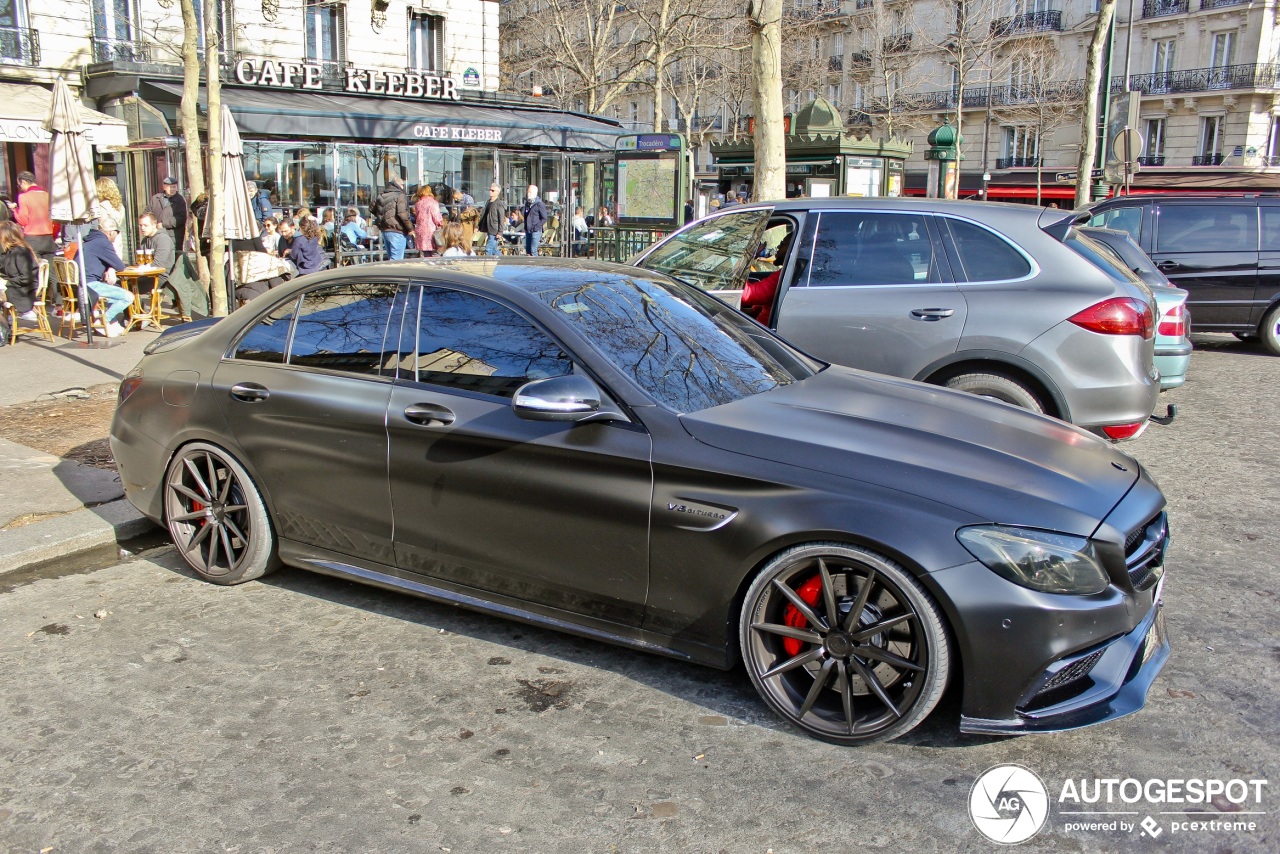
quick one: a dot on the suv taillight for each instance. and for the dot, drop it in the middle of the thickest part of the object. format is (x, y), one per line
(1118, 316)
(1174, 323)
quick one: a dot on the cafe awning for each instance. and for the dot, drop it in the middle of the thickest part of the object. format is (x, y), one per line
(24, 107)
(294, 114)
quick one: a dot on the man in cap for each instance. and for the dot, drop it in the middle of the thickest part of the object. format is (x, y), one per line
(170, 210)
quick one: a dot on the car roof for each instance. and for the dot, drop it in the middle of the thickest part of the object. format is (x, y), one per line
(1204, 198)
(905, 203)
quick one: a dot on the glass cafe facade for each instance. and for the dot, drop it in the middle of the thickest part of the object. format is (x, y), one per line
(316, 140)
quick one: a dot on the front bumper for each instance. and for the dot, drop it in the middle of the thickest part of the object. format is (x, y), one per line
(1120, 673)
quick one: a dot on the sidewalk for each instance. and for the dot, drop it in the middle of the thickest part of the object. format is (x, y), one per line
(65, 512)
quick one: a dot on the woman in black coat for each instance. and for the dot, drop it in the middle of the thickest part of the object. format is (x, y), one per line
(18, 267)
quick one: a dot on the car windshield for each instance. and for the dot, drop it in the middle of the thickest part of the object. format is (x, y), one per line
(688, 350)
(712, 254)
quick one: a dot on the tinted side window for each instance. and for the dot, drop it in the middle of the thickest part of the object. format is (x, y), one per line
(1127, 218)
(268, 339)
(1271, 229)
(1207, 228)
(342, 328)
(984, 256)
(470, 342)
(853, 248)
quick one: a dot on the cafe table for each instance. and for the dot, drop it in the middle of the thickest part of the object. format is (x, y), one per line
(146, 279)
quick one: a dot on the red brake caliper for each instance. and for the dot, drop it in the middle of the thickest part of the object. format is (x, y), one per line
(196, 507)
(809, 592)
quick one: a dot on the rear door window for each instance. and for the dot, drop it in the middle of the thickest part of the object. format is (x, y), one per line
(1271, 229)
(984, 256)
(860, 248)
(1207, 228)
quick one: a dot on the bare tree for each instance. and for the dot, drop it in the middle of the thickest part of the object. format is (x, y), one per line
(189, 118)
(1093, 80)
(886, 58)
(1039, 94)
(213, 87)
(765, 20)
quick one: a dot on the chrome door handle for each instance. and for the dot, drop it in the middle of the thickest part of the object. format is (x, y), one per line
(1167, 265)
(429, 413)
(932, 313)
(249, 392)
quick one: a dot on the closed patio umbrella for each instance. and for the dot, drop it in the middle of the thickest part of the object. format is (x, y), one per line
(72, 195)
(239, 222)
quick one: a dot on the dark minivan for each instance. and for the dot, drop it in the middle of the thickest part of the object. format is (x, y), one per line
(1224, 250)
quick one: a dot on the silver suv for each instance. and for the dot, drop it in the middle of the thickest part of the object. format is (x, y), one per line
(1006, 301)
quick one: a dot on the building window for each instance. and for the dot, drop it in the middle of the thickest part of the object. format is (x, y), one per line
(1224, 50)
(1020, 144)
(15, 37)
(1162, 55)
(1211, 139)
(426, 42)
(833, 95)
(1155, 139)
(225, 26)
(326, 35)
(113, 32)
(1273, 145)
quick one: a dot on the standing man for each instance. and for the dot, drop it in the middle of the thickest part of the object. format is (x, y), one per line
(492, 221)
(170, 210)
(391, 214)
(32, 213)
(535, 218)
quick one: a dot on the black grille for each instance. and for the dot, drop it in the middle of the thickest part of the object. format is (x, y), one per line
(1144, 553)
(1073, 671)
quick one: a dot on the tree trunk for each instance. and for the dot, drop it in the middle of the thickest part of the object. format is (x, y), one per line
(189, 111)
(213, 84)
(1093, 94)
(765, 18)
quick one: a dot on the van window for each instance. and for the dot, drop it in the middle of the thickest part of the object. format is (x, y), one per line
(1207, 228)
(1127, 218)
(1271, 229)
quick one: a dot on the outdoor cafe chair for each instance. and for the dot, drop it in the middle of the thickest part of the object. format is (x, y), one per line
(68, 277)
(42, 318)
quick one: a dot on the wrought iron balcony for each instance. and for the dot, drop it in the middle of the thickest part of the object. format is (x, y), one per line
(120, 50)
(899, 43)
(859, 118)
(859, 58)
(867, 4)
(1031, 22)
(1218, 4)
(1161, 8)
(835, 63)
(1151, 160)
(1019, 162)
(822, 10)
(19, 46)
(1253, 76)
(1207, 160)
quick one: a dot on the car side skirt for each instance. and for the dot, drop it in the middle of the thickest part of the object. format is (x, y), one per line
(342, 566)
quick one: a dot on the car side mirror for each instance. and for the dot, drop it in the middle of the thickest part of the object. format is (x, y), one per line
(569, 398)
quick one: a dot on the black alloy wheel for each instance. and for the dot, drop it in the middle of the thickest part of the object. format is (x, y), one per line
(216, 517)
(844, 644)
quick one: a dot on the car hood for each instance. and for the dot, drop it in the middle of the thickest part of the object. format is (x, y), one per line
(995, 461)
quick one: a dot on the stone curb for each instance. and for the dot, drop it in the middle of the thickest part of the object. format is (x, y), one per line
(71, 537)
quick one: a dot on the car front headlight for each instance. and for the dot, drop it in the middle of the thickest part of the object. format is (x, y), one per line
(1038, 560)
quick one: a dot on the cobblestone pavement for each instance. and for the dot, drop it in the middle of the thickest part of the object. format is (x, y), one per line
(142, 710)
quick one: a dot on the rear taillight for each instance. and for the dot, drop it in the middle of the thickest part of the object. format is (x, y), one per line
(128, 386)
(1118, 316)
(1174, 323)
(1116, 432)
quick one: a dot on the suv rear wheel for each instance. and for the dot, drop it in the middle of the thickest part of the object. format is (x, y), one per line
(998, 387)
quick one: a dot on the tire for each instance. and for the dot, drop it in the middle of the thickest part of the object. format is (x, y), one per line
(853, 685)
(1269, 331)
(998, 387)
(216, 516)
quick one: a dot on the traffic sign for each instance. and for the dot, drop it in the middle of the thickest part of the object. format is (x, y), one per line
(1070, 177)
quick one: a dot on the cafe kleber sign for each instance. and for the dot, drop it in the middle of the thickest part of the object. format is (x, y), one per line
(363, 81)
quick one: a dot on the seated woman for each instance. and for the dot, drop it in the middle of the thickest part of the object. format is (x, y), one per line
(19, 269)
(305, 252)
(758, 296)
(455, 241)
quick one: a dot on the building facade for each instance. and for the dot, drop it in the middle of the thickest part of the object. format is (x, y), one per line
(1206, 74)
(332, 97)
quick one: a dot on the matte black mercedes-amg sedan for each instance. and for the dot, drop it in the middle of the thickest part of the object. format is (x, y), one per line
(606, 451)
